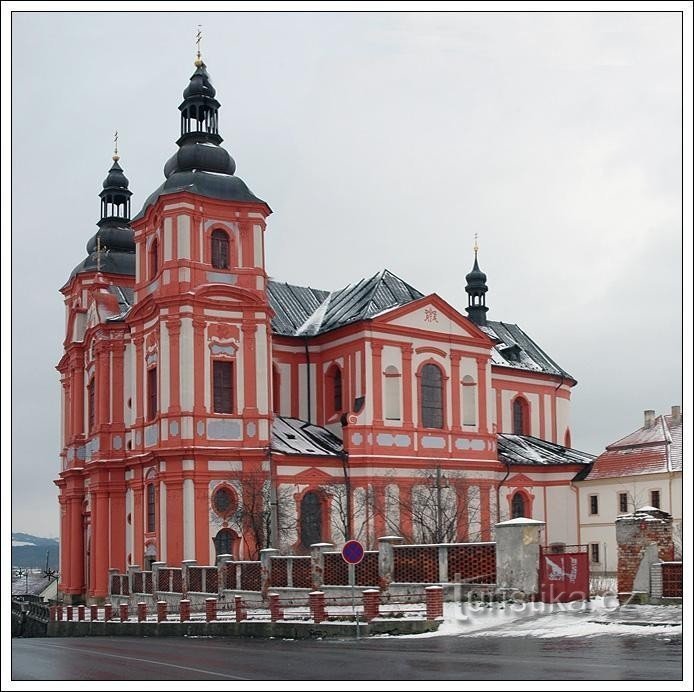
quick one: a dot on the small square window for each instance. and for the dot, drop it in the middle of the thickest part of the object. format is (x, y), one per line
(623, 503)
(655, 499)
(595, 552)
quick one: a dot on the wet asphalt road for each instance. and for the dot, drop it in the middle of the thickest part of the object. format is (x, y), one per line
(436, 658)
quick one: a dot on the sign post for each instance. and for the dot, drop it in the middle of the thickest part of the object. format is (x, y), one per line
(353, 554)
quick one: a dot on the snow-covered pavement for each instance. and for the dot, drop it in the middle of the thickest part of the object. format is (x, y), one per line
(600, 616)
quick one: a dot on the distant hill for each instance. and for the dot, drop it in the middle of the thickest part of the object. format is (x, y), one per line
(30, 551)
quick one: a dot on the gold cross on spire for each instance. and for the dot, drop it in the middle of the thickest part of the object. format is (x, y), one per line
(115, 146)
(198, 38)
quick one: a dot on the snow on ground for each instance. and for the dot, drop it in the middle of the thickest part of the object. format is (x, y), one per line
(597, 617)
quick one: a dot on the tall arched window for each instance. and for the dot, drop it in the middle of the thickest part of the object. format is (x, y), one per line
(521, 417)
(153, 258)
(517, 506)
(431, 396)
(220, 249)
(311, 519)
(333, 390)
(392, 393)
(151, 508)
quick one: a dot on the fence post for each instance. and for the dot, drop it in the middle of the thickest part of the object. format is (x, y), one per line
(434, 598)
(443, 564)
(210, 609)
(184, 609)
(161, 611)
(241, 613)
(316, 603)
(59, 613)
(385, 562)
(108, 611)
(372, 601)
(131, 571)
(185, 580)
(93, 613)
(141, 611)
(80, 612)
(318, 563)
(123, 612)
(223, 566)
(69, 613)
(266, 570)
(52, 614)
(275, 610)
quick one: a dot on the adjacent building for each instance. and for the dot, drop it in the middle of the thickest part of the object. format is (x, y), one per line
(642, 470)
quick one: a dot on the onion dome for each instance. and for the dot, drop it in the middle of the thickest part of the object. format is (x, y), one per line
(476, 289)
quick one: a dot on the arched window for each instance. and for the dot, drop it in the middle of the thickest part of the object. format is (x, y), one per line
(152, 404)
(521, 417)
(153, 258)
(311, 519)
(333, 390)
(517, 506)
(469, 401)
(224, 542)
(392, 393)
(91, 407)
(220, 249)
(151, 508)
(431, 396)
(276, 390)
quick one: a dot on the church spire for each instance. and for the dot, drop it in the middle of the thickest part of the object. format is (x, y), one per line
(476, 289)
(115, 197)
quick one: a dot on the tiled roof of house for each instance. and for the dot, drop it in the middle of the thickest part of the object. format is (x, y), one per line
(524, 449)
(654, 449)
(294, 436)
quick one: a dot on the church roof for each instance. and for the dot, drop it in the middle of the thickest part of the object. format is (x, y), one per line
(654, 449)
(515, 349)
(308, 312)
(294, 436)
(524, 449)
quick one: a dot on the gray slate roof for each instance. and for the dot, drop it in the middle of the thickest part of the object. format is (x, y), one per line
(524, 449)
(294, 436)
(309, 312)
(515, 349)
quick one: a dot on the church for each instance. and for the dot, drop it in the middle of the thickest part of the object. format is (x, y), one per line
(208, 409)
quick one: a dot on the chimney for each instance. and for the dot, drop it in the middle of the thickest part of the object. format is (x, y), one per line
(648, 418)
(676, 415)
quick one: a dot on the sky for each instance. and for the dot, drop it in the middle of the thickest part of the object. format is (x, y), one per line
(380, 140)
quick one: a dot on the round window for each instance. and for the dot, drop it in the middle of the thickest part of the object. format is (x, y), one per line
(224, 501)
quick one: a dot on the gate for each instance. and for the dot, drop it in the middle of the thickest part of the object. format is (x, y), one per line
(564, 574)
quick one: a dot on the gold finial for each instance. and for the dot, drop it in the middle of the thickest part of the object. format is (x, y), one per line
(198, 37)
(115, 146)
(476, 248)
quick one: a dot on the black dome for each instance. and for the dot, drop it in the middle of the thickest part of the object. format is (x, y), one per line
(200, 84)
(116, 178)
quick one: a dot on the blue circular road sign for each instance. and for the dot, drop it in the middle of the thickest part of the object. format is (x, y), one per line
(353, 552)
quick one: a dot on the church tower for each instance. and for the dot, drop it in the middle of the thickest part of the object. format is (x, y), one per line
(200, 348)
(476, 290)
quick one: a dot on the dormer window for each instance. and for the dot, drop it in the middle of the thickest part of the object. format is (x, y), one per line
(511, 352)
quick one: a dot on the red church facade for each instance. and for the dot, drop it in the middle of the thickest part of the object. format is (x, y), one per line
(208, 409)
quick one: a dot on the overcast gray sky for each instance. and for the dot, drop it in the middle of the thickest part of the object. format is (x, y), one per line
(379, 140)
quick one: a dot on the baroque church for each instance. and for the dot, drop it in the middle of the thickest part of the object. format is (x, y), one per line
(208, 409)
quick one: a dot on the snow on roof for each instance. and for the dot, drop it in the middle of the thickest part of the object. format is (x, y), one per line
(654, 449)
(515, 349)
(521, 520)
(524, 449)
(295, 436)
(301, 311)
